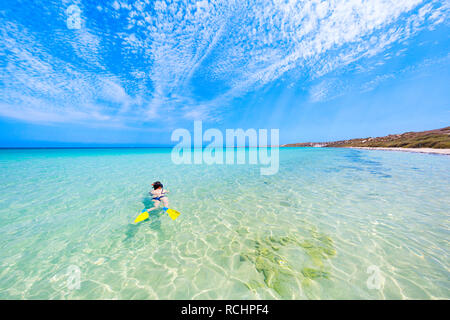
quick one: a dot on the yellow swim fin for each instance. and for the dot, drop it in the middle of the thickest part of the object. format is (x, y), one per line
(143, 216)
(172, 213)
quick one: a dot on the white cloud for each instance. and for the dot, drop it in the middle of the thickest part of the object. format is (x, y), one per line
(257, 42)
(167, 47)
(39, 87)
(327, 90)
(372, 84)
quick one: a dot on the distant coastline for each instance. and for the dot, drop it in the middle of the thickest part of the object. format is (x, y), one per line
(417, 150)
(431, 141)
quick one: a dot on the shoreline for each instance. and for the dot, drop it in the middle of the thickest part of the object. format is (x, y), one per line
(416, 150)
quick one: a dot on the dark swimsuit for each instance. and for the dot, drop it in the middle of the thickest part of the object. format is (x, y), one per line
(159, 198)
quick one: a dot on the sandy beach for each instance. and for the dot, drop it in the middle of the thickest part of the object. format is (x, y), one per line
(419, 150)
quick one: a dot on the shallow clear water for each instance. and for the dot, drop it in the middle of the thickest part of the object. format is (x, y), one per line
(333, 223)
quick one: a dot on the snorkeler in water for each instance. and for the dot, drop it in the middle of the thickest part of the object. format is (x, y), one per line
(159, 196)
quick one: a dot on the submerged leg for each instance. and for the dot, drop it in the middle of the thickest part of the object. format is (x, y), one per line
(165, 202)
(155, 205)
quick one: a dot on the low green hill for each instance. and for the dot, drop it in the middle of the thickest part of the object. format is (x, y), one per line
(439, 139)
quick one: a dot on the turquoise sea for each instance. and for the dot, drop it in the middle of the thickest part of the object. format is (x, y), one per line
(331, 224)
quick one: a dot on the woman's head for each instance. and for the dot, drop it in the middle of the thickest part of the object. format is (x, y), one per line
(156, 185)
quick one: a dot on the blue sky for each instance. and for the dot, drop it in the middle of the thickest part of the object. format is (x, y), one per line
(136, 70)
